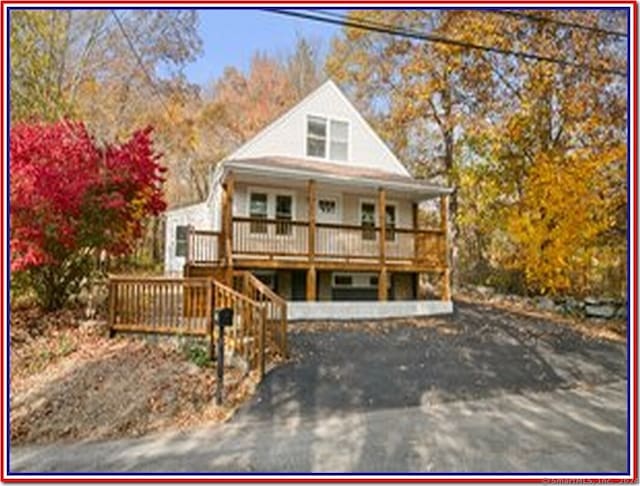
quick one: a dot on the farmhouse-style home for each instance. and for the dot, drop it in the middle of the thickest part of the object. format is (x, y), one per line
(320, 209)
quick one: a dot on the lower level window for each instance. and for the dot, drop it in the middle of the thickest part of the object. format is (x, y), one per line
(267, 278)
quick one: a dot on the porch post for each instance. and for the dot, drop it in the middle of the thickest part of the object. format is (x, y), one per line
(311, 284)
(312, 292)
(382, 284)
(416, 248)
(382, 222)
(311, 218)
(228, 226)
(444, 227)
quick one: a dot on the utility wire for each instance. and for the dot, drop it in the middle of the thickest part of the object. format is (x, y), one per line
(368, 24)
(135, 53)
(564, 23)
(374, 26)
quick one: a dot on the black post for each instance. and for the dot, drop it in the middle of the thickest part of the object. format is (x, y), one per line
(225, 319)
(220, 364)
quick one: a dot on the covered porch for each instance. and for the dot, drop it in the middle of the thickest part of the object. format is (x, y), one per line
(278, 214)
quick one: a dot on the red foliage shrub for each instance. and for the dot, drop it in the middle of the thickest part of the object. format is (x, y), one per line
(70, 196)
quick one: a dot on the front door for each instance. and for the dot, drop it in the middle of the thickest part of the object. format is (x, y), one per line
(328, 211)
(298, 285)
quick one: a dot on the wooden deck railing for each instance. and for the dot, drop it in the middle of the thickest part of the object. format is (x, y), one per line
(252, 287)
(247, 335)
(270, 238)
(253, 236)
(203, 246)
(346, 241)
(160, 305)
(185, 306)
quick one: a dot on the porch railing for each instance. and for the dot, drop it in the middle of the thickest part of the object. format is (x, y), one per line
(270, 238)
(347, 241)
(203, 246)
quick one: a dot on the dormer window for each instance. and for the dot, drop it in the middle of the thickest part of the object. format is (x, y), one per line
(322, 132)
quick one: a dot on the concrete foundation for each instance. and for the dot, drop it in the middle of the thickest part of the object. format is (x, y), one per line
(301, 311)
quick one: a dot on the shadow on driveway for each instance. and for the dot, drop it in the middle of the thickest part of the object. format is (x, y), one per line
(476, 353)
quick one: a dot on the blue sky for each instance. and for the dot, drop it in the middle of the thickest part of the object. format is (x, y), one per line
(231, 37)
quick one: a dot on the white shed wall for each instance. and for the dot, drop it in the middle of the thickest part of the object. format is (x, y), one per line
(200, 216)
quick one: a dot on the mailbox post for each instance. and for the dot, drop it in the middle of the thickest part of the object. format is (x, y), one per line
(225, 319)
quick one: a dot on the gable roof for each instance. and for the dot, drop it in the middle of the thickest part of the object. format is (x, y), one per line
(330, 86)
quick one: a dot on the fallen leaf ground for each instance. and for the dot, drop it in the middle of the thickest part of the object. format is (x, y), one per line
(71, 382)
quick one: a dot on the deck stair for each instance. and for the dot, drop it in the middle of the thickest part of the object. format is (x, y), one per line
(186, 307)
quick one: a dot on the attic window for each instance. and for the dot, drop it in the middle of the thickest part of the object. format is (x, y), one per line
(339, 140)
(322, 132)
(316, 136)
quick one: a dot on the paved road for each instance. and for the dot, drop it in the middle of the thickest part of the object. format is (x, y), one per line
(480, 391)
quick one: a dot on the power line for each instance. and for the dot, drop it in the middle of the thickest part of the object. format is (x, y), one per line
(564, 23)
(374, 26)
(135, 53)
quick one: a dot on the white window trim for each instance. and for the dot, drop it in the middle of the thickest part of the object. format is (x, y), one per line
(356, 277)
(271, 208)
(326, 138)
(175, 239)
(327, 151)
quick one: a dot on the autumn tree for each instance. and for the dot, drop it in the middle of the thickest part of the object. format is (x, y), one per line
(97, 65)
(558, 147)
(303, 67)
(207, 125)
(71, 197)
(509, 133)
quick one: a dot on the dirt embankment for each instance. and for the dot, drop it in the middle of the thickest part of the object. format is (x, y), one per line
(69, 381)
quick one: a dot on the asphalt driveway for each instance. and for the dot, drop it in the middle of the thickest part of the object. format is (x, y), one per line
(478, 353)
(483, 390)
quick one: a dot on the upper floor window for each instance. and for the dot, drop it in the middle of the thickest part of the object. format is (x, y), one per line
(317, 136)
(257, 211)
(368, 220)
(283, 213)
(339, 136)
(390, 218)
(327, 138)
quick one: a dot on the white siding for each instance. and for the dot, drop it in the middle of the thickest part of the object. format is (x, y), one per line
(200, 216)
(287, 135)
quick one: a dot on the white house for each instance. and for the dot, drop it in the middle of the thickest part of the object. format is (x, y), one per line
(319, 208)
